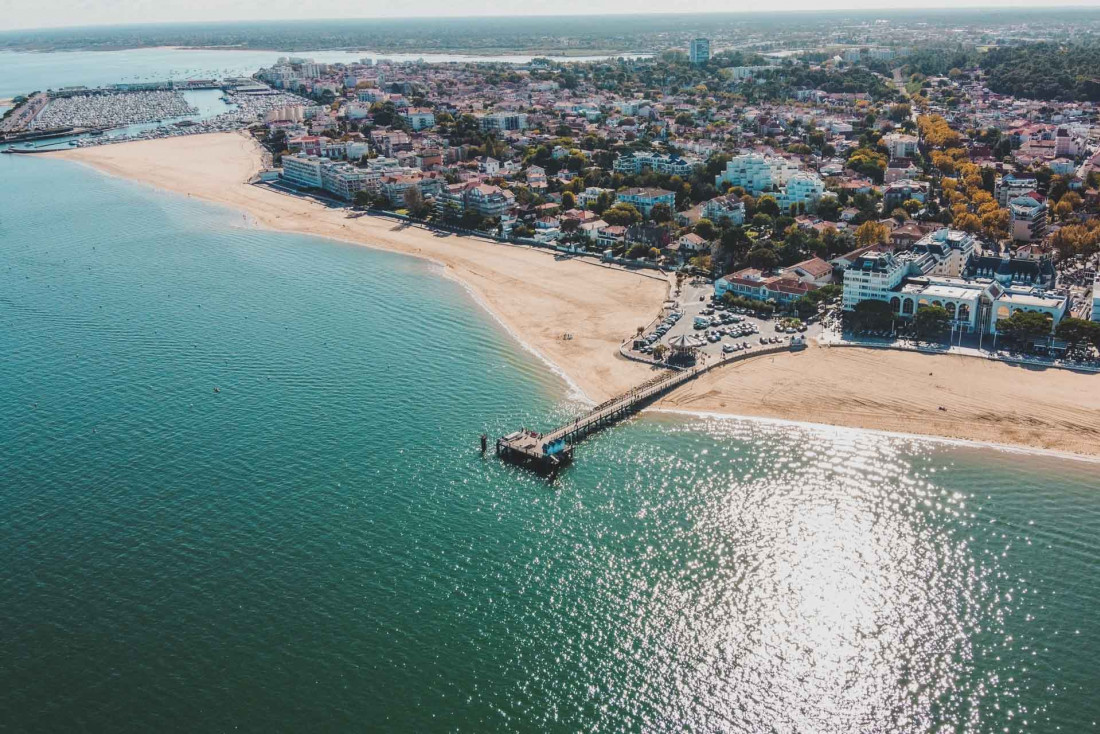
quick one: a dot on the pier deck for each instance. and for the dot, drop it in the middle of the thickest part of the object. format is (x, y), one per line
(550, 451)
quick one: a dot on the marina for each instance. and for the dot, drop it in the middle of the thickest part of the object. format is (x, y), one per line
(113, 109)
(86, 116)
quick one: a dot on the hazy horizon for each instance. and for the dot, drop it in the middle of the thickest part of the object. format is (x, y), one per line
(61, 14)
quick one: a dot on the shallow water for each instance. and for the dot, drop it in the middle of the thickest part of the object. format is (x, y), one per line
(318, 545)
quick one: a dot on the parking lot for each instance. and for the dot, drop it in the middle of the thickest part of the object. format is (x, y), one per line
(727, 330)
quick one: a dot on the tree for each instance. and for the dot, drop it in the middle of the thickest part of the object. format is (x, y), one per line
(568, 201)
(1024, 326)
(805, 307)
(704, 263)
(622, 215)
(705, 229)
(660, 351)
(763, 258)
(931, 321)
(871, 233)
(1076, 331)
(1063, 209)
(638, 251)
(829, 209)
(661, 213)
(768, 205)
(365, 199)
(872, 314)
(603, 202)
(414, 202)
(968, 222)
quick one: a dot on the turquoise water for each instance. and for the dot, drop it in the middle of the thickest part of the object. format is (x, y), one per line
(319, 546)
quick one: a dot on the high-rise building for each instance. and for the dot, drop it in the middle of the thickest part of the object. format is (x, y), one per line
(700, 51)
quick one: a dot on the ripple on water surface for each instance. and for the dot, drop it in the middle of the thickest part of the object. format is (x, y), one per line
(318, 544)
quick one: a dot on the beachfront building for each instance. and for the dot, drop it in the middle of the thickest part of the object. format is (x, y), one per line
(302, 170)
(876, 275)
(1038, 300)
(699, 52)
(911, 280)
(725, 209)
(873, 275)
(483, 199)
(345, 181)
(639, 161)
(945, 252)
(393, 186)
(1028, 214)
(645, 198)
(1008, 269)
(316, 172)
(782, 287)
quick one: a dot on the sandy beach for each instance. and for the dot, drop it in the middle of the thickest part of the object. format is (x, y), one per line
(540, 300)
(902, 392)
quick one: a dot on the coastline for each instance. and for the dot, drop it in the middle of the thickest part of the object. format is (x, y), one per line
(983, 401)
(930, 438)
(538, 300)
(564, 55)
(535, 303)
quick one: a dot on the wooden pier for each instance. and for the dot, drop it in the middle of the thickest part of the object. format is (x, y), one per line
(548, 452)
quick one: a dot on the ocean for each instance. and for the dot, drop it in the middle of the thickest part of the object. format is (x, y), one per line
(241, 491)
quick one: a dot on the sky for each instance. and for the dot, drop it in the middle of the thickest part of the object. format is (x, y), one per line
(20, 14)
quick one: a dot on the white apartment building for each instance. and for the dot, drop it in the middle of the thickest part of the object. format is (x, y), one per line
(900, 145)
(634, 163)
(644, 199)
(802, 188)
(303, 170)
(946, 252)
(756, 173)
(484, 199)
(588, 197)
(504, 121)
(1029, 218)
(419, 118)
(345, 180)
(741, 73)
(873, 276)
(724, 209)
(928, 277)
(1009, 186)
